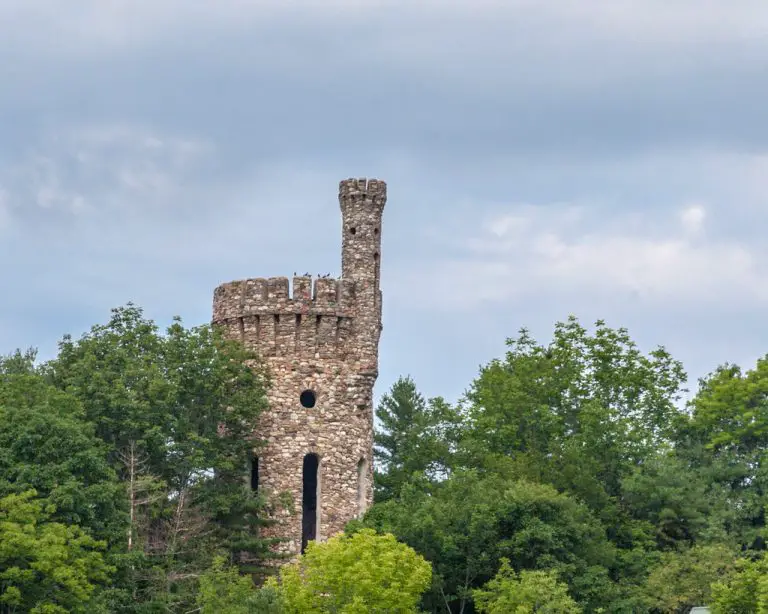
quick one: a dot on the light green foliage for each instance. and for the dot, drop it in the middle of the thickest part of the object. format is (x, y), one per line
(524, 593)
(46, 444)
(363, 573)
(414, 436)
(682, 580)
(45, 567)
(466, 524)
(745, 592)
(224, 591)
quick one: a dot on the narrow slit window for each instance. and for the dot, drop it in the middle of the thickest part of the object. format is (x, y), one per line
(254, 473)
(362, 487)
(309, 503)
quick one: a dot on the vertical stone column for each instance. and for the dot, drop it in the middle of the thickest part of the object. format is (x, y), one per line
(362, 203)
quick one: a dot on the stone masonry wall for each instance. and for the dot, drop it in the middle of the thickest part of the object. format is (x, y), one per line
(322, 337)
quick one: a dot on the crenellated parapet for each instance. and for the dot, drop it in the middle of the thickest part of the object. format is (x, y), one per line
(262, 295)
(363, 191)
(315, 320)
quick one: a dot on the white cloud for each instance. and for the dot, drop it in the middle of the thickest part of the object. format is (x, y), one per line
(99, 168)
(535, 101)
(117, 212)
(692, 218)
(530, 251)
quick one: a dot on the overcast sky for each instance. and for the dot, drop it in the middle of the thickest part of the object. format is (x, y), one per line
(603, 158)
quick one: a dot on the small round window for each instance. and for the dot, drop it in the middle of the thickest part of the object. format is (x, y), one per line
(352, 230)
(307, 399)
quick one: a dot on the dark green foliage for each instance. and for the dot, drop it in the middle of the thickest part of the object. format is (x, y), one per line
(177, 411)
(677, 499)
(586, 409)
(141, 438)
(414, 436)
(596, 419)
(46, 444)
(729, 432)
(466, 524)
(573, 460)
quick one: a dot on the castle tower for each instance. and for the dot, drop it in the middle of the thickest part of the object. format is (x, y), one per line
(320, 343)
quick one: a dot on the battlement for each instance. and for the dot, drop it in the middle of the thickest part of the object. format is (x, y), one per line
(373, 191)
(314, 321)
(272, 296)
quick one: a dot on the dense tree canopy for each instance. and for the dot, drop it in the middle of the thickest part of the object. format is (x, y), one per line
(584, 409)
(48, 445)
(570, 478)
(140, 438)
(673, 493)
(465, 525)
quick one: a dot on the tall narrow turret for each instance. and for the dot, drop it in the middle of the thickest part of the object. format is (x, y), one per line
(362, 205)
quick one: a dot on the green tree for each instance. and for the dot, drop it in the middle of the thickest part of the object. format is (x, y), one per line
(524, 593)
(729, 422)
(363, 573)
(178, 411)
(413, 435)
(464, 525)
(584, 410)
(675, 494)
(45, 567)
(683, 579)
(745, 591)
(581, 413)
(223, 590)
(46, 444)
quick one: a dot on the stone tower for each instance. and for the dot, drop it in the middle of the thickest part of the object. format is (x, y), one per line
(321, 345)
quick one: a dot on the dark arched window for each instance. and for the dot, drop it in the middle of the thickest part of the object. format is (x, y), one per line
(309, 499)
